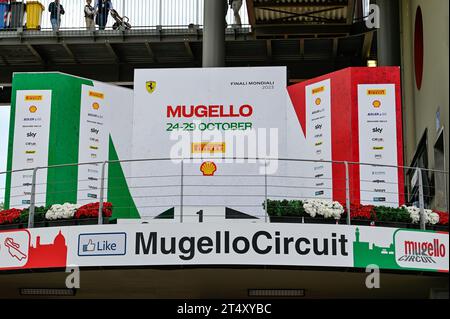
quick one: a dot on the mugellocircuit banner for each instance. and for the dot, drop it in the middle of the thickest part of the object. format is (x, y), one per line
(169, 243)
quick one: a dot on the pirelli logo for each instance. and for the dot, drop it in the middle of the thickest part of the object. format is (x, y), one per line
(207, 147)
(34, 97)
(97, 95)
(318, 90)
(376, 92)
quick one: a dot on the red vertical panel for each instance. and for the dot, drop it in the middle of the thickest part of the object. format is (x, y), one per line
(297, 95)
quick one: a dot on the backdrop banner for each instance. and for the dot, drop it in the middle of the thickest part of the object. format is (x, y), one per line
(160, 244)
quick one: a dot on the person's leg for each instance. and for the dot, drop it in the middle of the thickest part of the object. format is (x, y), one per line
(54, 24)
(58, 24)
(92, 26)
(237, 4)
(102, 21)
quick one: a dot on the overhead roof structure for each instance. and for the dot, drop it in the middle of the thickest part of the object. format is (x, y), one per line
(301, 17)
(310, 37)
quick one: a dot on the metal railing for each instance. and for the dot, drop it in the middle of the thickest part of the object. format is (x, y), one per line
(247, 187)
(142, 14)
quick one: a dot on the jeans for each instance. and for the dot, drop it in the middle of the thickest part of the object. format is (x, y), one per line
(55, 24)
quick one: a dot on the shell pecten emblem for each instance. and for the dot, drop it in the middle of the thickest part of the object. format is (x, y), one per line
(33, 109)
(208, 168)
(150, 86)
(95, 106)
(376, 103)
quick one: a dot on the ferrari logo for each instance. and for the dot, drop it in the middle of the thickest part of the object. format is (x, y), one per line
(150, 86)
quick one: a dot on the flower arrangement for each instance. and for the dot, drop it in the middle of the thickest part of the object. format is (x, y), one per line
(65, 211)
(414, 213)
(324, 208)
(91, 210)
(39, 215)
(443, 217)
(362, 212)
(10, 216)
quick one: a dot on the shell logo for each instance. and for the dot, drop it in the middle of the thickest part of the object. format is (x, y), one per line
(95, 106)
(376, 104)
(318, 101)
(208, 168)
(33, 109)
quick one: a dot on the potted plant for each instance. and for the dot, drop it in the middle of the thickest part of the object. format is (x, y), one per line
(39, 217)
(286, 211)
(88, 214)
(61, 215)
(392, 217)
(322, 211)
(9, 219)
(431, 218)
(363, 215)
(442, 225)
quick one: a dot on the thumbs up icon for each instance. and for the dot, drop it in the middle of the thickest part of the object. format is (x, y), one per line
(89, 246)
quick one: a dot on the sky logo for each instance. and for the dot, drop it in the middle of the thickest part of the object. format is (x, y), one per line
(98, 244)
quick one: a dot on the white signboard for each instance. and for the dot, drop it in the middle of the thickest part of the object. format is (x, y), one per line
(217, 244)
(94, 140)
(207, 114)
(378, 144)
(318, 138)
(30, 148)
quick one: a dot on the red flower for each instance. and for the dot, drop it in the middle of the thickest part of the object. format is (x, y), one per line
(91, 210)
(10, 216)
(443, 217)
(362, 212)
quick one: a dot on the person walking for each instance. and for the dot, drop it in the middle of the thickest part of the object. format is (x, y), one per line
(89, 15)
(102, 8)
(236, 6)
(56, 10)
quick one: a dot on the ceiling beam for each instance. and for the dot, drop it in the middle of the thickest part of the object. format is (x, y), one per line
(187, 45)
(70, 53)
(350, 11)
(335, 47)
(302, 48)
(277, 3)
(112, 51)
(309, 14)
(367, 44)
(150, 52)
(3, 60)
(269, 50)
(36, 54)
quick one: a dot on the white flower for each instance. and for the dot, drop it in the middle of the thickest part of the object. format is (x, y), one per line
(66, 211)
(327, 209)
(414, 212)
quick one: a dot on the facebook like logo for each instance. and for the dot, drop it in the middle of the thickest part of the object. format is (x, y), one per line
(102, 244)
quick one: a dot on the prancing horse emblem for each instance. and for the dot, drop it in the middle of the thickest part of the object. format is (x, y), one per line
(151, 86)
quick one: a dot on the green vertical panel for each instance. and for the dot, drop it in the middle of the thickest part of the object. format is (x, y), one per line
(62, 182)
(118, 192)
(64, 131)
